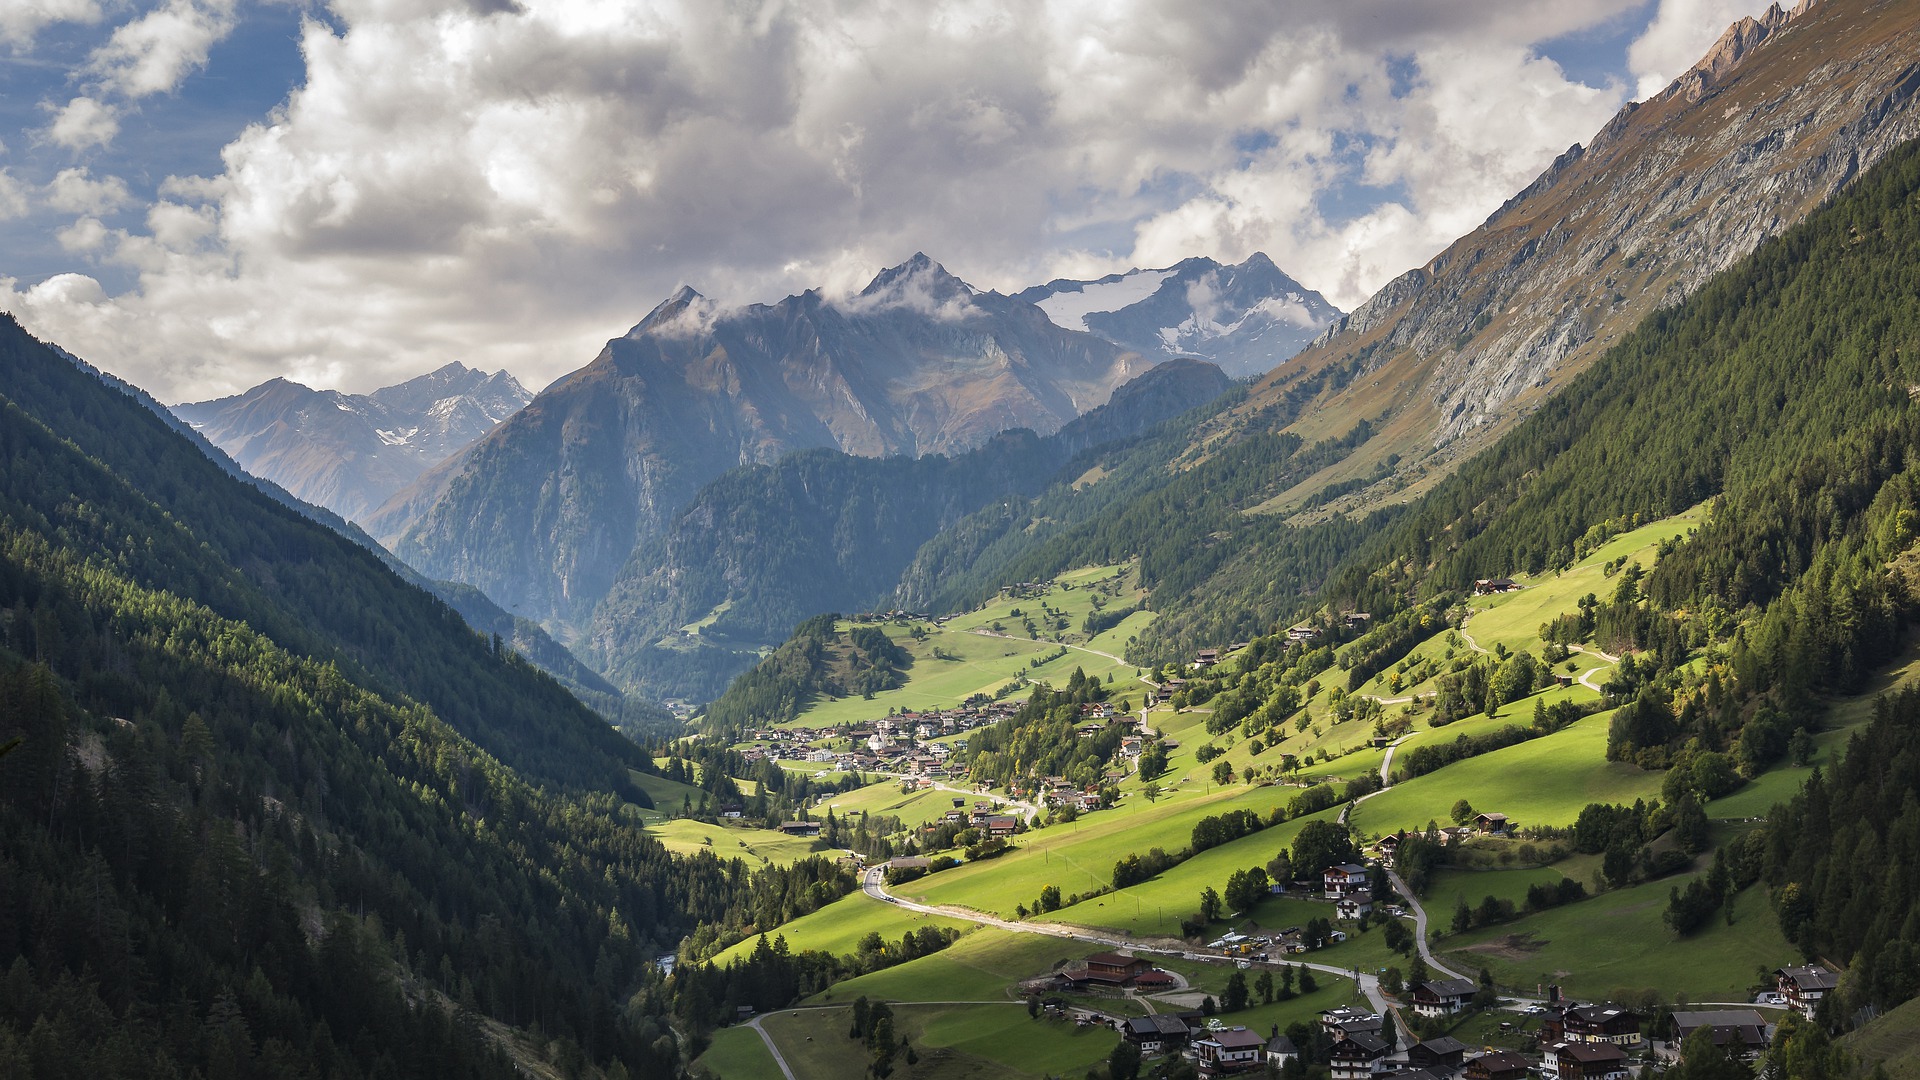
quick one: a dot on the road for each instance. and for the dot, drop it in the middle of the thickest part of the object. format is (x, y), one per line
(876, 889)
(1062, 644)
(780, 1059)
(1420, 927)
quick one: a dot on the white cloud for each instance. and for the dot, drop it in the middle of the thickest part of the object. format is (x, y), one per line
(75, 191)
(22, 20)
(510, 186)
(13, 196)
(151, 54)
(1680, 33)
(83, 123)
(84, 235)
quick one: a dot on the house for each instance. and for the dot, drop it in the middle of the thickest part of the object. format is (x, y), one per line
(1207, 658)
(1389, 846)
(1500, 1065)
(800, 828)
(1281, 1050)
(1353, 907)
(1354, 1057)
(1583, 1061)
(1486, 586)
(1442, 1054)
(1347, 1020)
(1443, 997)
(1302, 633)
(1805, 986)
(1230, 1051)
(1118, 965)
(1346, 879)
(1001, 826)
(908, 862)
(1491, 824)
(1153, 980)
(1357, 619)
(1744, 1031)
(1593, 1024)
(1158, 1034)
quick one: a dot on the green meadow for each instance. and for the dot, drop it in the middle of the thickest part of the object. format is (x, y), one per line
(759, 847)
(838, 927)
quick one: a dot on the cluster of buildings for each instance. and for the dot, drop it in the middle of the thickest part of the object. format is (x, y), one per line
(910, 743)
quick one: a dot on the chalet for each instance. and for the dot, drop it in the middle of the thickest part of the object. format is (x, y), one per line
(1500, 1065)
(1487, 586)
(1355, 1057)
(1443, 997)
(1207, 658)
(1231, 1051)
(1353, 907)
(1583, 1061)
(1593, 1024)
(1491, 824)
(1442, 1054)
(1744, 1031)
(1347, 1020)
(800, 828)
(1157, 1034)
(1281, 1050)
(1389, 846)
(1118, 967)
(1346, 879)
(1001, 825)
(1153, 980)
(1357, 619)
(1302, 632)
(1805, 986)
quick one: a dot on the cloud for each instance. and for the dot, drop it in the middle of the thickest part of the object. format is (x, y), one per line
(511, 184)
(1679, 35)
(13, 196)
(151, 54)
(22, 20)
(83, 123)
(75, 191)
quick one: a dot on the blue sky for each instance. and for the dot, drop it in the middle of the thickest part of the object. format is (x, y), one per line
(201, 194)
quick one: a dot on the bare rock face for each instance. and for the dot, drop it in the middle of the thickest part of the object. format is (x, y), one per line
(544, 512)
(1784, 111)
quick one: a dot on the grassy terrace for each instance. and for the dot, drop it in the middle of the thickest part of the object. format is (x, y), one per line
(985, 660)
(838, 927)
(1545, 781)
(759, 847)
(1079, 856)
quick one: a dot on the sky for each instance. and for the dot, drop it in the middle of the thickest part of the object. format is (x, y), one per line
(199, 195)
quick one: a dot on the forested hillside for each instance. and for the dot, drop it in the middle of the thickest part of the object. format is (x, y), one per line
(269, 810)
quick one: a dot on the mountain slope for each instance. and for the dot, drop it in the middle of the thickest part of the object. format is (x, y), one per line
(763, 547)
(265, 791)
(351, 452)
(1247, 318)
(1671, 186)
(543, 513)
(1781, 113)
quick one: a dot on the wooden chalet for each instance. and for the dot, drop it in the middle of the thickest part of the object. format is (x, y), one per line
(1354, 1057)
(1744, 1031)
(1605, 1023)
(1492, 824)
(1500, 1065)
(1234, 1050)
(1159, 1034)
(1443, 997)
(800, 828)
(1346, 879)
(1444, 1053)
(1584, 1061)
(1804, 987)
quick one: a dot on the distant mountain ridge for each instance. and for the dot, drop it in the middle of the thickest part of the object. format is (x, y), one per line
(1248, 318)
(351, 452)
(543, 512)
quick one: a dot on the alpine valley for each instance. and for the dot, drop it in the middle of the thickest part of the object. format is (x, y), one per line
(1163, 674)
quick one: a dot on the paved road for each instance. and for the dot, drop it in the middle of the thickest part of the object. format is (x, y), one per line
(876, 888)
(1420, 927)
(1386, 763)
(1062, 644)
(778, 1058)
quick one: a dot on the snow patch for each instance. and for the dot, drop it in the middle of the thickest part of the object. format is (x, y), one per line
(1069, 310)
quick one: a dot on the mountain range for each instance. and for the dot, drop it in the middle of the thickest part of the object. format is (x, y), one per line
(352, 452)
(1249, 318)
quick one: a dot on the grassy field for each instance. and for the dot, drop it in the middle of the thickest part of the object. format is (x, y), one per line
(1545, 781)
(1449, 885)
(759, 847)
(1156, 906)
(982, 966)
(838, 927)
(952, 1041)
(1079, 856)
(983, 662)
(884, 798)
(1892, 1040)
(737, 1053)
(1617, 941)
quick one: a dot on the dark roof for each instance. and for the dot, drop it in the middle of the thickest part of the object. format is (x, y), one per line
(1446, 988)
(1811, 977)
(1114, 959)
(1280, 1044)
(1373, 1045)
(1347, 868)
(1238, 1039)
(1503, 1061)
(1170, 1025)
(1727, 1025)
(1445, 1044)
(1584, 1051)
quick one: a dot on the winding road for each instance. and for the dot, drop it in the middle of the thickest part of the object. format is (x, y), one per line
(875, 888)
